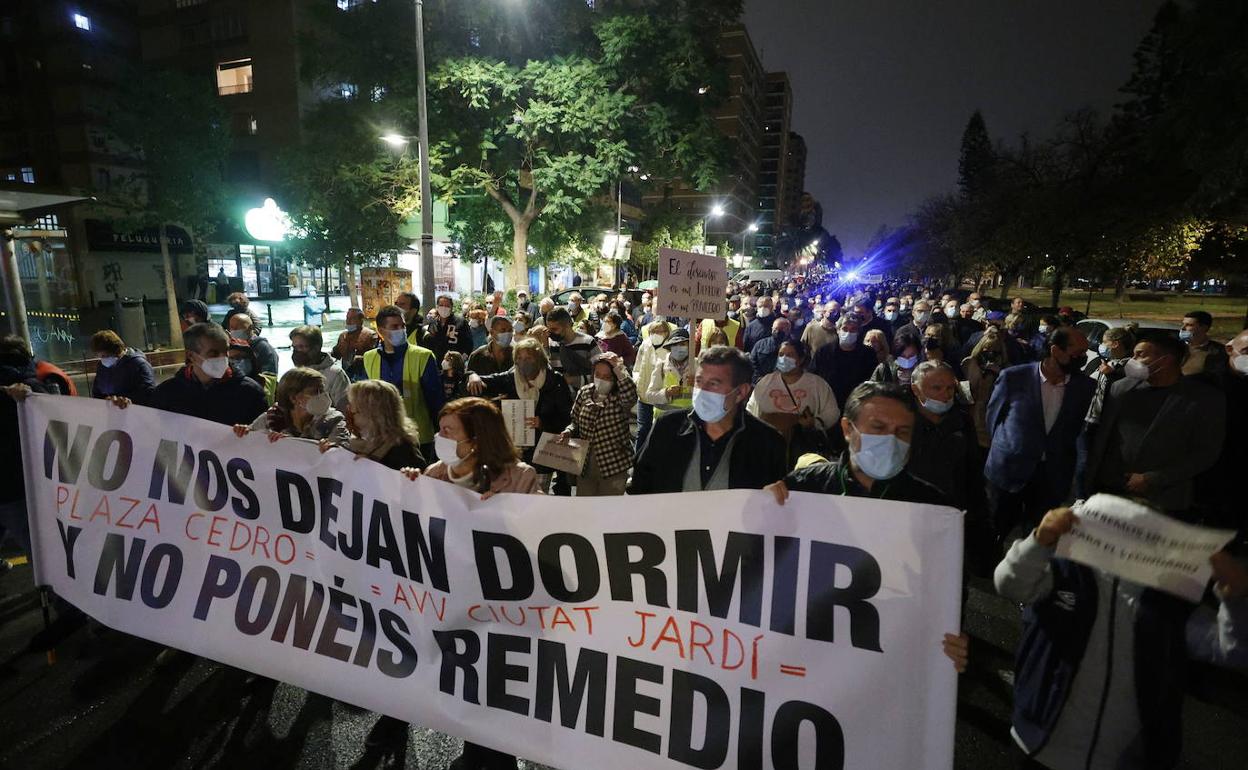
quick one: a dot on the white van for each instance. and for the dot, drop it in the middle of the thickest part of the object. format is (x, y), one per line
(759, 276)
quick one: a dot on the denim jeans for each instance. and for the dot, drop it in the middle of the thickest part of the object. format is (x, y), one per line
(645, 420)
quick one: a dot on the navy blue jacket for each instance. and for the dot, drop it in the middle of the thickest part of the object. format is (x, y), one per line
(1015, 420)
(131, 376)
(232, 400)
(1055, 637)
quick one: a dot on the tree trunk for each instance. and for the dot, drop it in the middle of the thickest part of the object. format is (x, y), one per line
(1120, 287)
(518, 273)
(1006, 281)
(1057, 287)
(349, 266)
(171, 295)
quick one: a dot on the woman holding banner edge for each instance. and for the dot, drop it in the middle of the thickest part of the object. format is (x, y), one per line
(475, 452)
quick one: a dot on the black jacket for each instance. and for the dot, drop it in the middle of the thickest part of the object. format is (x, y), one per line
(12, 481)
(554, 401)
(233, 400)
(454, 334)
(835, 478)
(758, 457)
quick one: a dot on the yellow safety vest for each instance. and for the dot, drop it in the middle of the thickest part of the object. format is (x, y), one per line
(671, 378)
(730, 329)
(414, 363)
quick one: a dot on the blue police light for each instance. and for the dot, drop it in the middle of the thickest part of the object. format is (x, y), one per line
(852, 275)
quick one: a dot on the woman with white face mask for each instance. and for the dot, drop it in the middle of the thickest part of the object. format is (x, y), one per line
(649, 353)
(907, 354)
(671, 384)
(302, 408)
(600, 416)
(797, 403)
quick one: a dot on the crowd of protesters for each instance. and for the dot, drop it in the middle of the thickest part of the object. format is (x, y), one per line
(920, 396)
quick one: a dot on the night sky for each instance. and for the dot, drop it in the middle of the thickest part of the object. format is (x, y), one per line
(883, 88)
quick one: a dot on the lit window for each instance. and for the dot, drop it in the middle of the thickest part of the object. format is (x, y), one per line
(82, 22)
(253, 125)
(347, 90)
(234, 77)
(28, 175)
(47, 222)
(377, 93)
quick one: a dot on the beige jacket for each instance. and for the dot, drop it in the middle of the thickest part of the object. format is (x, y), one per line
(519, 478)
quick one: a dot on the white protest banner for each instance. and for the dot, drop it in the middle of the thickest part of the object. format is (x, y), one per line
(1139, 544)
(692, 285)
(515, 411)
(568, 456)
(715, 629)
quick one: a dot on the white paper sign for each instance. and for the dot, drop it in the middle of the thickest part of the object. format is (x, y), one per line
(568, 457)
(1139, 544)
(692, 285)
(515, 410)
(703, 629)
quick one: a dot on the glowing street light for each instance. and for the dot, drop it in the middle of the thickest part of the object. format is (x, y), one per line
(753, 227)
(395, 140)
(716, 211)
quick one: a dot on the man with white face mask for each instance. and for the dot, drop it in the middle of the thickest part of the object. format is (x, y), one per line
(1158, 430)
(715, 445)
(760, 327)
(410, 368)
(207, 387)
(878, 423)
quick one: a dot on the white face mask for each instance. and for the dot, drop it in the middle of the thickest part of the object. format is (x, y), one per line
(1136, 369)
(763, 312)
(848, 338)
(709, 406)
(239, 334)
(922, 317)
(504, 339)
(1043, 328)
(657, 339)
(880, 456)
(318, 405)
(678, 354)
(397, 337)
(784, 364)
(447, 449)
(473, 323)
(603, 387)
(444, 312)
(519, 327)
(1240, 363)
(108, 362)
(951, 312)
(215, 367)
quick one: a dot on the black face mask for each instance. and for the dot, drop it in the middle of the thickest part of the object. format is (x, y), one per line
(779, 336)
(1075, 364)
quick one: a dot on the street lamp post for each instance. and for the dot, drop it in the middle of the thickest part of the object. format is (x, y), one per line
(716, 211)
(426, 190)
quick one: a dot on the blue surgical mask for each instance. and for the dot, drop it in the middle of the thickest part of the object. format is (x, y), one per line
(397, 337)
(784, 364)
(936, 406)
(504, 339)
(709, 405)
(880, 456)
(1103, 351)
(108, 362)
(1185, 335)
(907, 362)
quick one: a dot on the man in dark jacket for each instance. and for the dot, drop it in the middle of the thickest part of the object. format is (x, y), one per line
(846, 363)
(940, 451)
(715, 445)
(1159, 430)
(413, 320)
(763, 354)
(242, 329)
(760, 327)
(207, 387)
(878, 422)
(122, 371)
(17, 378)
(1034, 417)
(447, 331)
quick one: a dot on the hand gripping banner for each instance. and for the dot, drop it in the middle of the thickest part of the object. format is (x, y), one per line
(705, 630)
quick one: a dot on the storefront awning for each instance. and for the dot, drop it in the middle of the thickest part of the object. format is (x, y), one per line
(21, 203)
(101, 236)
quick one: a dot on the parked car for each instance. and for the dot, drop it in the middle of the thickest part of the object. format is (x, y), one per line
(1095, 328)
(589, 292)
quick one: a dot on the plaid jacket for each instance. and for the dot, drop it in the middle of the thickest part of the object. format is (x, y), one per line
(606, 424)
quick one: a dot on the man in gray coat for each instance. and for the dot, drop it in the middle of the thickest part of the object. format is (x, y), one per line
(1159, 430)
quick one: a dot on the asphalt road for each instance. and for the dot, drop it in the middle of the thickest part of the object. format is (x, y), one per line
(107, 702)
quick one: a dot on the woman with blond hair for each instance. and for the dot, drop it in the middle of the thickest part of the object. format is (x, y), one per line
(381, 429)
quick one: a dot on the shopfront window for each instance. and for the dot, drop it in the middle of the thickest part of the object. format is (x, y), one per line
(51, 292)
(257, 269)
